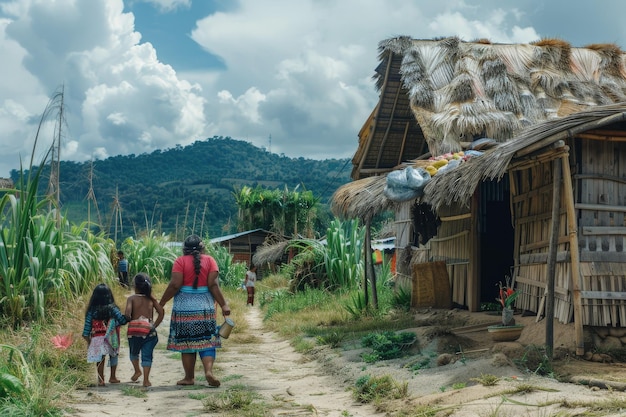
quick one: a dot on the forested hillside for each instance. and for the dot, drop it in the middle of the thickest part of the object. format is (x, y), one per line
(184, 189)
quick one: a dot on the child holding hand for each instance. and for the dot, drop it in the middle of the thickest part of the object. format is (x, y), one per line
(142, 335)
(101, 329)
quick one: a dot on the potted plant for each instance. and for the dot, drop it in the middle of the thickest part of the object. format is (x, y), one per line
(507, 297)
(508, 330)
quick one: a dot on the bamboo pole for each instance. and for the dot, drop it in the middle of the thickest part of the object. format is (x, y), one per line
(368, 259)
(574, 255)
(551, 264)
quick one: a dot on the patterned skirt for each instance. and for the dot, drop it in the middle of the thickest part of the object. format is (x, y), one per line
(98, 348)
(193, 327)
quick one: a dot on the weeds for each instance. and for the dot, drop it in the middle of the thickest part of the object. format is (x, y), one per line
(386, 345)
(239, 399)
(487, 380)
(131, 391)
(368, 389)
(535, 360)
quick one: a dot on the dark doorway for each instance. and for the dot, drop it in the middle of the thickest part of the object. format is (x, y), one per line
(496, 237)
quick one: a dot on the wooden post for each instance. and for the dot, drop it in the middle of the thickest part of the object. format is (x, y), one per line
(572, 231)
(370, 263)
(473, 273)
(551, 267)
(368, 260)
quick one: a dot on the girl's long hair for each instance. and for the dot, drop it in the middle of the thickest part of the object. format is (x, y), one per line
(101, 302)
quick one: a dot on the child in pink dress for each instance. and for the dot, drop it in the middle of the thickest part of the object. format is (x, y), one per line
(102, 330)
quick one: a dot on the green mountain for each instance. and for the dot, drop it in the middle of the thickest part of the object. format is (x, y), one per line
(184, 189)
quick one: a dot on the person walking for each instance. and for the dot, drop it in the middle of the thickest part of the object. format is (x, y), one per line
(193, 327)
(249, 283)
(142, 334)
(101, 331)
(122, 269)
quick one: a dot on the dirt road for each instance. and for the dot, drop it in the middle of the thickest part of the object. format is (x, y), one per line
(287, 381)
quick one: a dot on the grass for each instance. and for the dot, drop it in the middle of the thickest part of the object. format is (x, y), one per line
(132, 391)
(236, 400)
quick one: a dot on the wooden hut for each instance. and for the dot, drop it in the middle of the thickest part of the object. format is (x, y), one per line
(553, 112)
(243, 245)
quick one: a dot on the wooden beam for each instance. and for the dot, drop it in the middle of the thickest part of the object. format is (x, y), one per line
(371, 135)
(551, 265)
(603, 295)
(406, 132)
(599, 230)
(473, 273)
(386, 136)
(606, 138)
(576, 277)
(600, 207)
(603, 177)
(569, 133)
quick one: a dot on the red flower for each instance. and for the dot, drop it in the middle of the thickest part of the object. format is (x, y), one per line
(62, 341)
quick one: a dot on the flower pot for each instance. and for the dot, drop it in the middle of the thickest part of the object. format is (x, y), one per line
(507, 317)
(505, 333)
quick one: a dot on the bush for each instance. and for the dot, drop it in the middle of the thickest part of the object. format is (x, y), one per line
(387, 345)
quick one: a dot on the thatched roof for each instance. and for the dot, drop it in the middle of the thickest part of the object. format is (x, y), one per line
(269, 253)
(364, 198)
(6, 183)
(458, 91)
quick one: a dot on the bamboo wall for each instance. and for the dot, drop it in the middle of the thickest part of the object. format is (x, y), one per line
(599, 181)
(600, 189)
(452, 245)
(531, 201)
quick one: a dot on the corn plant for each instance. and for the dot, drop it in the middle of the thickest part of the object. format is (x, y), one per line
(343, 257)
(150, 254)
(338, 264)
(232, 273)
(41, 255)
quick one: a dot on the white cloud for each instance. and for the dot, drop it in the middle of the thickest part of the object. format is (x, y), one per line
(120, 98)
(300, 71)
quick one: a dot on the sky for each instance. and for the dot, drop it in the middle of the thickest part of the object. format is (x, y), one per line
(291, 76)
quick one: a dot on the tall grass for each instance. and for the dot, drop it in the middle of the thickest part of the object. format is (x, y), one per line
(150, 254)
(43, 258)
(232, 273)
(335, 265)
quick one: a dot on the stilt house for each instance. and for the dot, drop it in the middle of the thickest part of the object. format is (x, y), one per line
(544, 199)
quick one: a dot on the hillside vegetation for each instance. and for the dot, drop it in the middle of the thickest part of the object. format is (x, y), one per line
(187, 188)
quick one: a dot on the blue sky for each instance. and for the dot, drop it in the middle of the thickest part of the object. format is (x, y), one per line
(141, 75)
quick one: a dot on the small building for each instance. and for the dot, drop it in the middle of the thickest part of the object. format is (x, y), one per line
(546, 197)
(243, 245)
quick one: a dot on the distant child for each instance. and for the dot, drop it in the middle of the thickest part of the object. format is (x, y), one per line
(102, 330)
(249, 283)
(142, 335)
(122, 269)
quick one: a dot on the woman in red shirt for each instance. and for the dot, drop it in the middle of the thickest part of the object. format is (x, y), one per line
(193, 327)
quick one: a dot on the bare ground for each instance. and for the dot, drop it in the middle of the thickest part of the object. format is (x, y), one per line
(320, 384)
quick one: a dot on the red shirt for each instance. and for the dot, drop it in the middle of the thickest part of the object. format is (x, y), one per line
(184, 264)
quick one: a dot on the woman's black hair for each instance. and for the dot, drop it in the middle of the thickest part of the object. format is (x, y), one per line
(194, 246)
(101, 302)
(143, 284)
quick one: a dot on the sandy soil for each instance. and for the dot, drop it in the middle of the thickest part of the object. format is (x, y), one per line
(319, 384)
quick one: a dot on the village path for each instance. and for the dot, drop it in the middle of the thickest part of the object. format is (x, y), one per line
(290, 383)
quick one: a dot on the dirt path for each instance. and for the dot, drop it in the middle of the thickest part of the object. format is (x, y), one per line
(291, 384)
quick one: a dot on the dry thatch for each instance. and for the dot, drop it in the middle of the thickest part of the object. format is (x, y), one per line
(361, 199)
(463, 89)
(269, 253)
(364, 198)
(456, 91)
(459, 184)
(6, 183)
